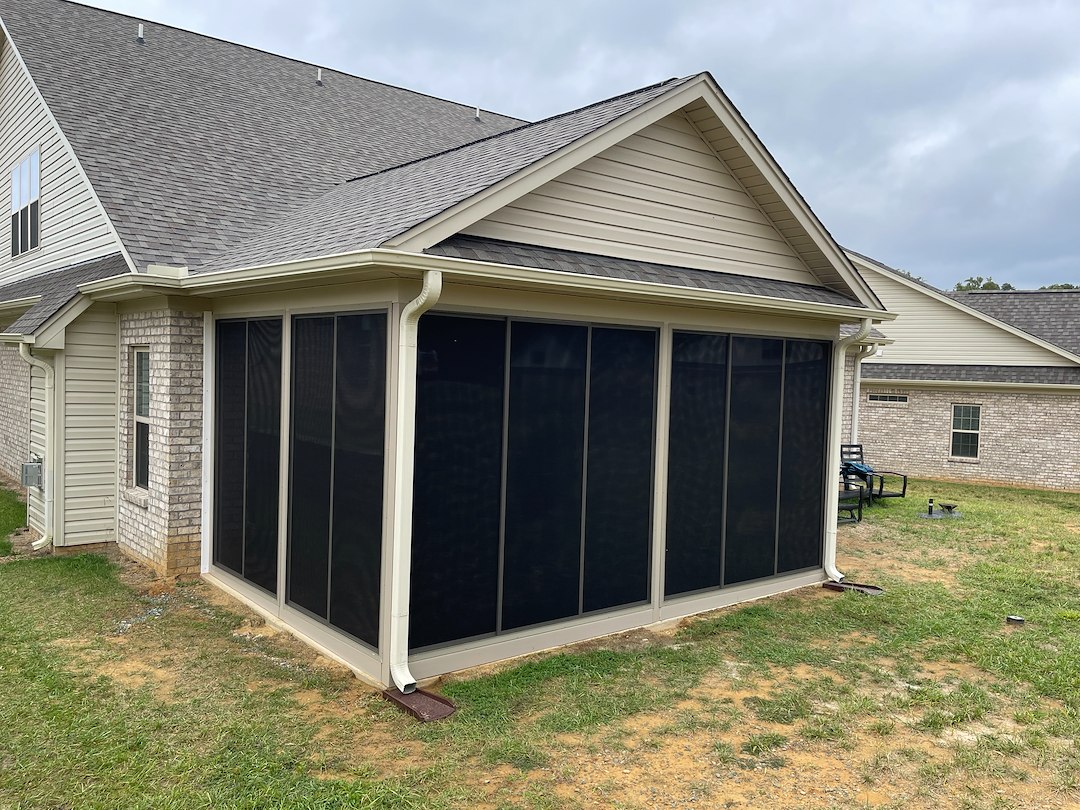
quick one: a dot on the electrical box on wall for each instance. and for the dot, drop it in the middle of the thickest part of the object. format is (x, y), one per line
(32, 475)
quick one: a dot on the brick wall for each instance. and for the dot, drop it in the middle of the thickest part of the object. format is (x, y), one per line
(14, 410)
(849, 385)
(162, 524)
(1025, 438)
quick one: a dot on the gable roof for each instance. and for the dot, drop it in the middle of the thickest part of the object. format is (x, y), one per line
(55, 289)
(369, 210)
(192, 142)
(1058, 335)
(1052, 315)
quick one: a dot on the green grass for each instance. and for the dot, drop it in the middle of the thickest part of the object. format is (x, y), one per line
(929, 664)
(12, 517)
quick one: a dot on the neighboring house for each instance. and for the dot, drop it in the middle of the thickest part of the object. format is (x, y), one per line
(429, 385)
(980, 386)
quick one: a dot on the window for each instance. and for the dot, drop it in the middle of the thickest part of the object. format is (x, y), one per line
(142, 418)
(25, 190)
(965, 430)
(886, 397)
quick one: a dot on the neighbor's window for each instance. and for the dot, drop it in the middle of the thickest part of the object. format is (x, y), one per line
(25, 190)
(887, 397)
(142, 418)
(965, 430)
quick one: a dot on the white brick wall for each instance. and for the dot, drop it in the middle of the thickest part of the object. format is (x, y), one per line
(14, 411)
(161, 525)
(1025, 438)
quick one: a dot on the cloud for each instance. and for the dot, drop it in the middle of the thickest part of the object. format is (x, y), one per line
(942, 137)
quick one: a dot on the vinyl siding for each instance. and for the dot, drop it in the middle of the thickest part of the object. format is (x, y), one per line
(89, 413)
(931, 331)
(14, 409)
(661, 195)
(73, 224)
(35, 512)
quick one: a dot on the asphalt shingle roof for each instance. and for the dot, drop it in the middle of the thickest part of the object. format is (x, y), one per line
(56, 288)
(1052, 315)
(1035, 375)
(367, 211)
(568, 261)
(193, 143)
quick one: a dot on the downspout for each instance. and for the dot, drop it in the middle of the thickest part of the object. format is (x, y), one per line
(836, 426)
(401, 539)
(856, 389)
(50, 443)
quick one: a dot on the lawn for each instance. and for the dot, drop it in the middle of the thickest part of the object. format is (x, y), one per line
(122, 692)
(12, 516)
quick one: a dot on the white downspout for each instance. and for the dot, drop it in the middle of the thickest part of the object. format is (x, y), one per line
(50, 442)
(856, 389)
(836, 427)
(401, 540)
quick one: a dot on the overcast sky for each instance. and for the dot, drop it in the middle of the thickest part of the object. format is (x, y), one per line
(939, 137)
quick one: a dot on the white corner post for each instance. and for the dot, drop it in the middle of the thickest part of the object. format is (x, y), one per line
(836, 427)
(401, 536)
(47, 369)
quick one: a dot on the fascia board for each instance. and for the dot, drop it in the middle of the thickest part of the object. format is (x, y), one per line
(730, 116)
(18, 304)
(500, 194)
(346, 265)
(67, 145)
(966, 385)
(944, 299)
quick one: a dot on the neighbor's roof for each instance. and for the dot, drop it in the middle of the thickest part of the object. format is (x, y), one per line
(367, 211)
(193, 143)
(1052, 315)
(56, 289)
(1031, 375)
(568, 261)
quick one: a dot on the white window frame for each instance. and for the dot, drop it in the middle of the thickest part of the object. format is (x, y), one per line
(954, 430)
(139, 418)
(893, 399)
(25, 187)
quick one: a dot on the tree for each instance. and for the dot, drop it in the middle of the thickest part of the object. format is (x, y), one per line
(1060, 287)
(980, 283)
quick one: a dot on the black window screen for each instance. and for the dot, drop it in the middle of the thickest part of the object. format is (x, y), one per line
(336, 481)
(619, 485)
(698, 430)
(247, 448)
(753, 458)
(545, 454)
(802, 468)
(539, 492)
(457, 485)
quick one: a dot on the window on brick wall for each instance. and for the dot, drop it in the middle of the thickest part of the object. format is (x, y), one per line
(141, 416)
(965, 430)
(25, 214)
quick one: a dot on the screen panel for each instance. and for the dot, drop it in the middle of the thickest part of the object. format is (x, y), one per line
(263, 452)
(545, 435)
(359, 440)
(312, 427)
(753, 458)
(458, 478)
(229, 437)
(802, 485)
(699, 379)
(619, 470)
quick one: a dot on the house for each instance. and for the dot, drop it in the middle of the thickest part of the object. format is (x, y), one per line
(977, 386)
(428, 385)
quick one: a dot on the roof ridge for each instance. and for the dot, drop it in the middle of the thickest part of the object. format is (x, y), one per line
(525, 125)
(286, 58)
(1012, 292)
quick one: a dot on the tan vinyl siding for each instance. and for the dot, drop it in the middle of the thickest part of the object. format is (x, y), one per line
(661, 195)
(89, 412)
(35, 511)
(931, 331)
(73, 225)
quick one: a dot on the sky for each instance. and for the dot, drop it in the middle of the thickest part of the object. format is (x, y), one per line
(942, 138)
